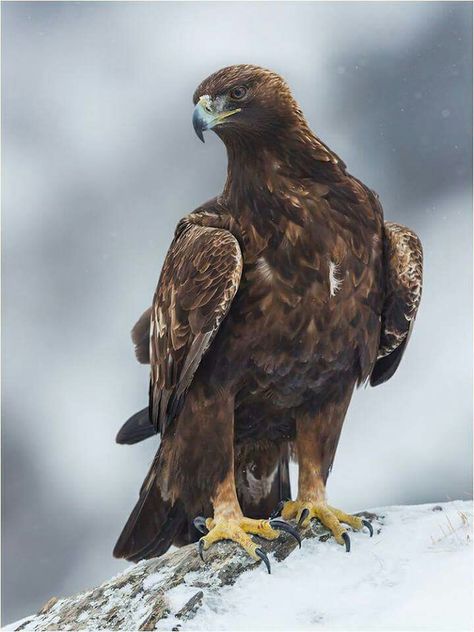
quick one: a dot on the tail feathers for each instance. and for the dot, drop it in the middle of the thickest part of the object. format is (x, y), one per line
(152, 525)
(136, 429)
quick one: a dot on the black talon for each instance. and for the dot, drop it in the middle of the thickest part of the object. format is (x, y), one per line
(264, 557)
(277, 511)
(304, 515)
(347, 541)
(200, 524)
(367, 524)
(284, 526)
(201, 549)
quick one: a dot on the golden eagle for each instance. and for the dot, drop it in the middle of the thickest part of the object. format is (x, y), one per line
(276, 299)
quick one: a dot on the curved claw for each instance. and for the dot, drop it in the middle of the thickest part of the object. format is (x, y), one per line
(200, 524)
(277, 511)
(264, 557)
(287, 528)
(304, 515)
(201, 549)
(367, 524)
(347, 541)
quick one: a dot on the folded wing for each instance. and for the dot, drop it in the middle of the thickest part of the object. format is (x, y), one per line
(141, 337)
(199, 279)
(403, 263)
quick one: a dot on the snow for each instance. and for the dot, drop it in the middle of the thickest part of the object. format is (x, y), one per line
(152, 580)
(416, 574)
(178, 596)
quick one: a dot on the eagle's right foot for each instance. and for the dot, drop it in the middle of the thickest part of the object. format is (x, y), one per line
(238, 531)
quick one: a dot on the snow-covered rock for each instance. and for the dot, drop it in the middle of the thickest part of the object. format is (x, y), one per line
(416, 573)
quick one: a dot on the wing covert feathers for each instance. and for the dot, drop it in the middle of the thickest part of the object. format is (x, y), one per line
(403, 262)
(199, 279)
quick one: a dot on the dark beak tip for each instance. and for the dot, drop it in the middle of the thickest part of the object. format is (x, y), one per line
(199, 125)
(199, 134)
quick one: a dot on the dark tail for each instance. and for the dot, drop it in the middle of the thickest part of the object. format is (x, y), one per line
(137, 428)
(263, 480)
(153, 524)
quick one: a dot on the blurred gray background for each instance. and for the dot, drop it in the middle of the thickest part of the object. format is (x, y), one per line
(99, 163)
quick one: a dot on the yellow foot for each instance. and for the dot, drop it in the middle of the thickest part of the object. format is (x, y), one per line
(238, 531)
(330, 517)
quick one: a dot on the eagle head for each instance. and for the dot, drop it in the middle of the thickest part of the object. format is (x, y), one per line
(244, 101)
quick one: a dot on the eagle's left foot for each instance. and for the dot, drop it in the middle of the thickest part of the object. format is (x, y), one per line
(330, 517)
(238, 531)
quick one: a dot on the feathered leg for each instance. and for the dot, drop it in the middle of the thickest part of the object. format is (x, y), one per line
(316, 442)
(228, 521)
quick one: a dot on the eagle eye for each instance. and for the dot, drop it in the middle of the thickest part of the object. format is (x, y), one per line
(238, 93)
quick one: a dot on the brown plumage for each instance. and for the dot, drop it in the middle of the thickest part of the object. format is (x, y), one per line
(275, 300)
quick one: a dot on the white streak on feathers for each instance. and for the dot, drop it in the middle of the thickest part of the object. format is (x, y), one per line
(334, 282)
(264, 270)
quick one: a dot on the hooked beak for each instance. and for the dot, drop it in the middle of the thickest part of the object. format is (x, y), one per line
(207, 114)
